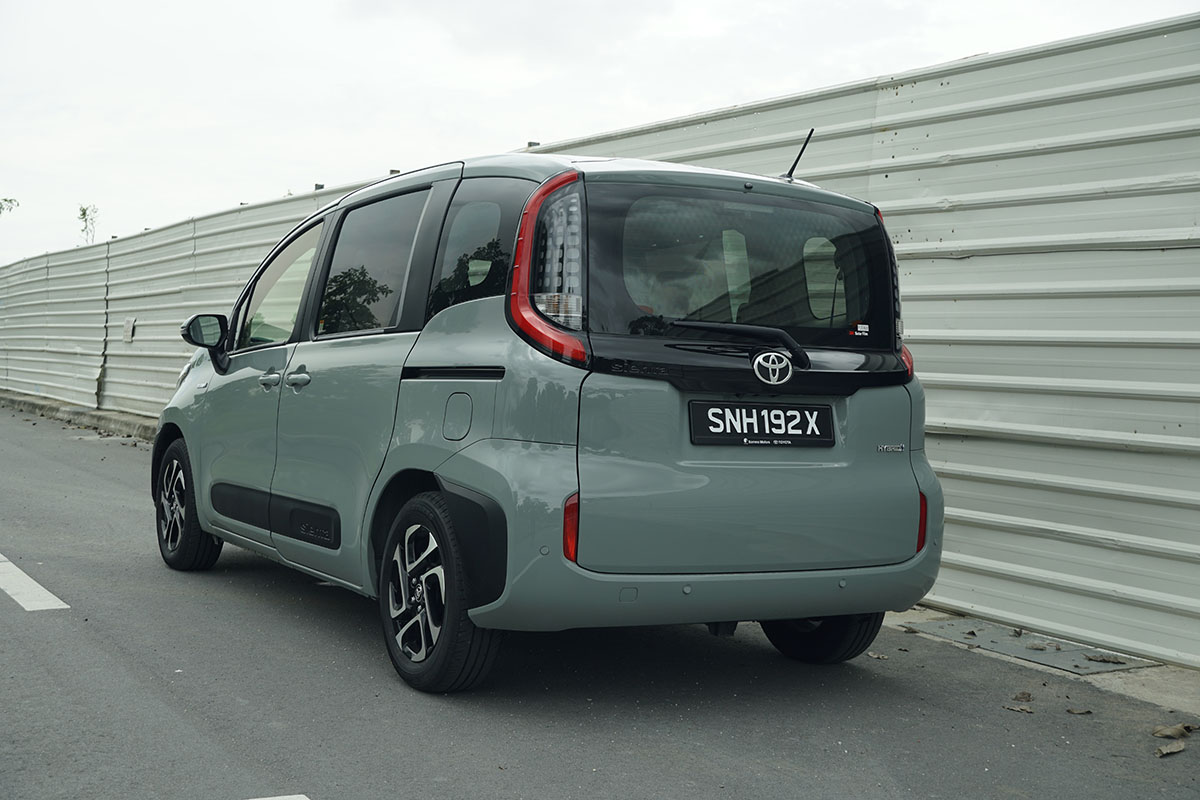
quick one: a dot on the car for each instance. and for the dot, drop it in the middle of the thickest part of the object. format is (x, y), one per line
(534, 392)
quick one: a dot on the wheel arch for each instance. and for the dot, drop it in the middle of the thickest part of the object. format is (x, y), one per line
(482, 532)
(400, 488)
(170, 432)
(479, 523)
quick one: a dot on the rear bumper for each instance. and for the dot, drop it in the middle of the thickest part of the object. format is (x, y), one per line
(545, 592)
(554, 594)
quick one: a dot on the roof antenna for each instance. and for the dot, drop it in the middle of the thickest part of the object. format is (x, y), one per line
(788, 175)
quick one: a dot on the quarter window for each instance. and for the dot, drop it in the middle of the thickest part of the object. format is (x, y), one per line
(476, 250)
(370, 265)
(270, 315)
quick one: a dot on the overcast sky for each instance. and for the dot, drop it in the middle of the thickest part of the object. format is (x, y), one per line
(154, 112)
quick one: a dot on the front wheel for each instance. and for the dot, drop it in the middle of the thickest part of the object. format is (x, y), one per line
(431, 641)
(827, 640)
(181, 541)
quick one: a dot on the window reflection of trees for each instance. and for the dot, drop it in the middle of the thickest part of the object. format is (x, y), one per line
(349, 297)
(461, 285)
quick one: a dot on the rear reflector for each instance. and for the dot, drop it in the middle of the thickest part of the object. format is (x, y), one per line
(921, 524)
(571, 526)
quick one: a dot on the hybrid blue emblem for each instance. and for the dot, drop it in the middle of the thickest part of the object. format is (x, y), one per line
(772, 368)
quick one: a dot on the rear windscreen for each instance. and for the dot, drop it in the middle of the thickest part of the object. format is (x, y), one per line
(657, 254)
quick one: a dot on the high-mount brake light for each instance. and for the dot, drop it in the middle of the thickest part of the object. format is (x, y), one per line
(543, 306)
(571, 526)
(906, 357)
(922, 524)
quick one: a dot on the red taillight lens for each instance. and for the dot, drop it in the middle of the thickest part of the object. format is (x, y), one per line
(571, 526)
(907, 358)
(921, 524)
(559, 295)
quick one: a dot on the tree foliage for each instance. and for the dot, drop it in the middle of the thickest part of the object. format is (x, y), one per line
(87, 215)
(348, 299)
(457, 286)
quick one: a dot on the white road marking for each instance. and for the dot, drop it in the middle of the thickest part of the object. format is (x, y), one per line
(24, 589)
(284, 797)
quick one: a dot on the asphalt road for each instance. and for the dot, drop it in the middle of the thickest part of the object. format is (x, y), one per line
(255, 681)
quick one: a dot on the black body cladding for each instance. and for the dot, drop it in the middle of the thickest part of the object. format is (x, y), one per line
(483, 532)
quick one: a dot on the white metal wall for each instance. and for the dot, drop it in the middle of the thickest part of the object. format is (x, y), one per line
(164, 276)
(51, 325)
(1044, 205)
(64, 316)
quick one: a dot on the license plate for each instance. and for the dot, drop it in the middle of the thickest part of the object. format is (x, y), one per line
(760, 424)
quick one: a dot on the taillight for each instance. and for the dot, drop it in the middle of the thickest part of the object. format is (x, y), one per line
(921, 524)
(571, 526)
(905, 355)
(546, 295)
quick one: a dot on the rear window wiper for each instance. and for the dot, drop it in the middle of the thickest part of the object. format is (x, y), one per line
(759, 332)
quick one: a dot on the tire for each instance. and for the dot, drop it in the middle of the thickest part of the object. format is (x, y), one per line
(829, 640)
(431, 641)
(183, 545)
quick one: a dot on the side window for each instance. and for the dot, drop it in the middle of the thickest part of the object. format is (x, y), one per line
(826, 294)
(737, 270)
(680, 261)
(370, 265)
(270, 314)
(476, 250)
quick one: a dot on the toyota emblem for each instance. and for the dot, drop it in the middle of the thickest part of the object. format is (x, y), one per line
(773, 368)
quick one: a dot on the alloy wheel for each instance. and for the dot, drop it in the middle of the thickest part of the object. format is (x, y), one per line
(417, 593)
(172, 506)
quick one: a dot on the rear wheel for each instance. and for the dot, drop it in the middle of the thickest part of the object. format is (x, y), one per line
(182, 543)
(432, 642)
(826, 640)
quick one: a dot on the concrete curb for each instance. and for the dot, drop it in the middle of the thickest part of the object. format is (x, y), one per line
(1165, 685)
(115, 422)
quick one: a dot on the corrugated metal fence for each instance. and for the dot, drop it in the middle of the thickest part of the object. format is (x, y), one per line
(52, 325)
(1044, 205)
(99, 326)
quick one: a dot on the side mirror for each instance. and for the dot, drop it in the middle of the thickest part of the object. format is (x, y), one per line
(205, 330)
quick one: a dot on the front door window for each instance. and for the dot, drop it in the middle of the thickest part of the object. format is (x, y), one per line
(270, 315)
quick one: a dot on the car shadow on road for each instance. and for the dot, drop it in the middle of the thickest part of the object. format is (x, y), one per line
(675, 663)
(680, 664)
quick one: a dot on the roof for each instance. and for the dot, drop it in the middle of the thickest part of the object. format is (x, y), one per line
(539, 167)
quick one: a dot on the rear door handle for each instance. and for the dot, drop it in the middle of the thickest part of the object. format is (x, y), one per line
(298, 379)
(268, 379)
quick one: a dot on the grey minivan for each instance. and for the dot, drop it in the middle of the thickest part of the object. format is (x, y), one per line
(534, 392)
